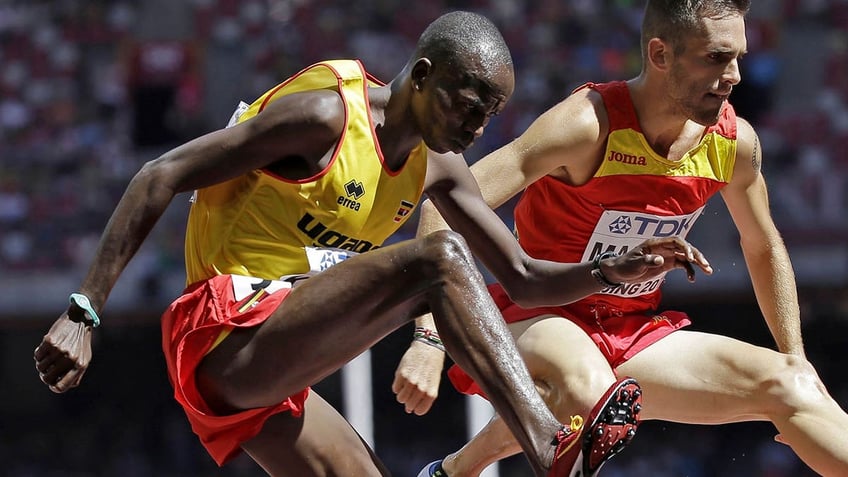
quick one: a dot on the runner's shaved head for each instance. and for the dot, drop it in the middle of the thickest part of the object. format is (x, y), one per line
(457, 37)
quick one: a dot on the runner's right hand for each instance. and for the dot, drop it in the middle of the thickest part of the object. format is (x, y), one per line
(64, 354)
(417, 377)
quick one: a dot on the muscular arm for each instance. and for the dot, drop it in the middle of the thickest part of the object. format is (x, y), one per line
(765, 253)
(293, 134)
(296, 128)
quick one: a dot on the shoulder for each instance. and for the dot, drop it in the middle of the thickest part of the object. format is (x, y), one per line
(582, 108)
(745, 133)
(302, 125)
(748, 161)
(568, 134)
(580, 117)
(305, 123)
(747, 141)
(317, 107)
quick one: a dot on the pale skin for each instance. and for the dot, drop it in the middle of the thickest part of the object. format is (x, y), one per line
(295, 136)
(724, 380)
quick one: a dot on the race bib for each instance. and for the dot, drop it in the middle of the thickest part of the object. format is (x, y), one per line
(245, 286)
(321, 259)
(240, 109)
(620, 231)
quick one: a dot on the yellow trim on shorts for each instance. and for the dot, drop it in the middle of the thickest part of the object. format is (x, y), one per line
(253, 299)
(221, 337)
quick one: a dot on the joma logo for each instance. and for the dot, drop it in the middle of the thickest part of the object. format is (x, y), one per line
(627, 158)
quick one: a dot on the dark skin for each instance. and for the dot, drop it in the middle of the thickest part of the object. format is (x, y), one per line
(295, 136)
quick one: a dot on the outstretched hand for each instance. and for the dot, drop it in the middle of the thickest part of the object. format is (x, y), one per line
(654, 257)
(64, 353)
(417, 377)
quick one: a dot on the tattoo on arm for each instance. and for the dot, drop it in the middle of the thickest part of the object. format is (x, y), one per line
(756, 158)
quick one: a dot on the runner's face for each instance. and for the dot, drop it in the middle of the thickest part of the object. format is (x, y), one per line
(462, 105)
(701, 78)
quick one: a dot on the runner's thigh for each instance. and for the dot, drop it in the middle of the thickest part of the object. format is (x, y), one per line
(695, 377)
(560, 354)
(331, 318)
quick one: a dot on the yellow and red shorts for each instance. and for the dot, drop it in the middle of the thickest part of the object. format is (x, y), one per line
(196, 322)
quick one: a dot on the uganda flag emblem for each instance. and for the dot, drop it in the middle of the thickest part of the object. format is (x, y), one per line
(403, 210)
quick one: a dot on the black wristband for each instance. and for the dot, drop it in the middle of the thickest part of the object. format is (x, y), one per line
(598, 274)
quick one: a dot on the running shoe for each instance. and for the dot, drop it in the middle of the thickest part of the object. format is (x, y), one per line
(612, 425)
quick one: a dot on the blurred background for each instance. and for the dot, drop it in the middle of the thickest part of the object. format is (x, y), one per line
(90, 90)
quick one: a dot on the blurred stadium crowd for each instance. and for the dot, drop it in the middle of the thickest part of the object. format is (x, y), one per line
(91, 89)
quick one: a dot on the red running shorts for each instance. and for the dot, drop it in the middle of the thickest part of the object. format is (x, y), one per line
(619, 336)
(191, 326)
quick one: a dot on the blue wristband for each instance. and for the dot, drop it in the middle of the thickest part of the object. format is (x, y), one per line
(83, 302)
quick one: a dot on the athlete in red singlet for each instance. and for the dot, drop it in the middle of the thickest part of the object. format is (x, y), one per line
(614, 164)
(303, 188)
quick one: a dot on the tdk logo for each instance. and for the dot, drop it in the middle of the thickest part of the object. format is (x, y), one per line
(354, 190)
(621, 225)
(651, 226)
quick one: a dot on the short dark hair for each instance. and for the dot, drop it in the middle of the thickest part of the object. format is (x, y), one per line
(671, 20)
(458, 36)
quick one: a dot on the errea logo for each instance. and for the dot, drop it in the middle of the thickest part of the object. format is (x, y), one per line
(353, 190)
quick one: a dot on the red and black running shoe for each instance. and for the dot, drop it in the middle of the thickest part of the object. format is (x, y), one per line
(611, 426)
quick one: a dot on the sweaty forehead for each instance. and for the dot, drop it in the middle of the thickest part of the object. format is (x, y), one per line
(723, 34)
(490, 81)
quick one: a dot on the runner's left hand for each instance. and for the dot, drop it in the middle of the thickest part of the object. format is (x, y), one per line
(417, 377)
(654, 257)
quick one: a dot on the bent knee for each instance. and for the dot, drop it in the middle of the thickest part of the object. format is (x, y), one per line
(589, 389)
(795, 386)
(570, 372)
(572, 393)
(445, 250)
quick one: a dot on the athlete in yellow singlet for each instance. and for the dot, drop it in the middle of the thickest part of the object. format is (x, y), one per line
(287, 278)
(350, 206)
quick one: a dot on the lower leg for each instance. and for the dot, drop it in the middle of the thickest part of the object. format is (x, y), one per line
(478, 340)
(819, 441)
(320, 443)
(493, 443)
